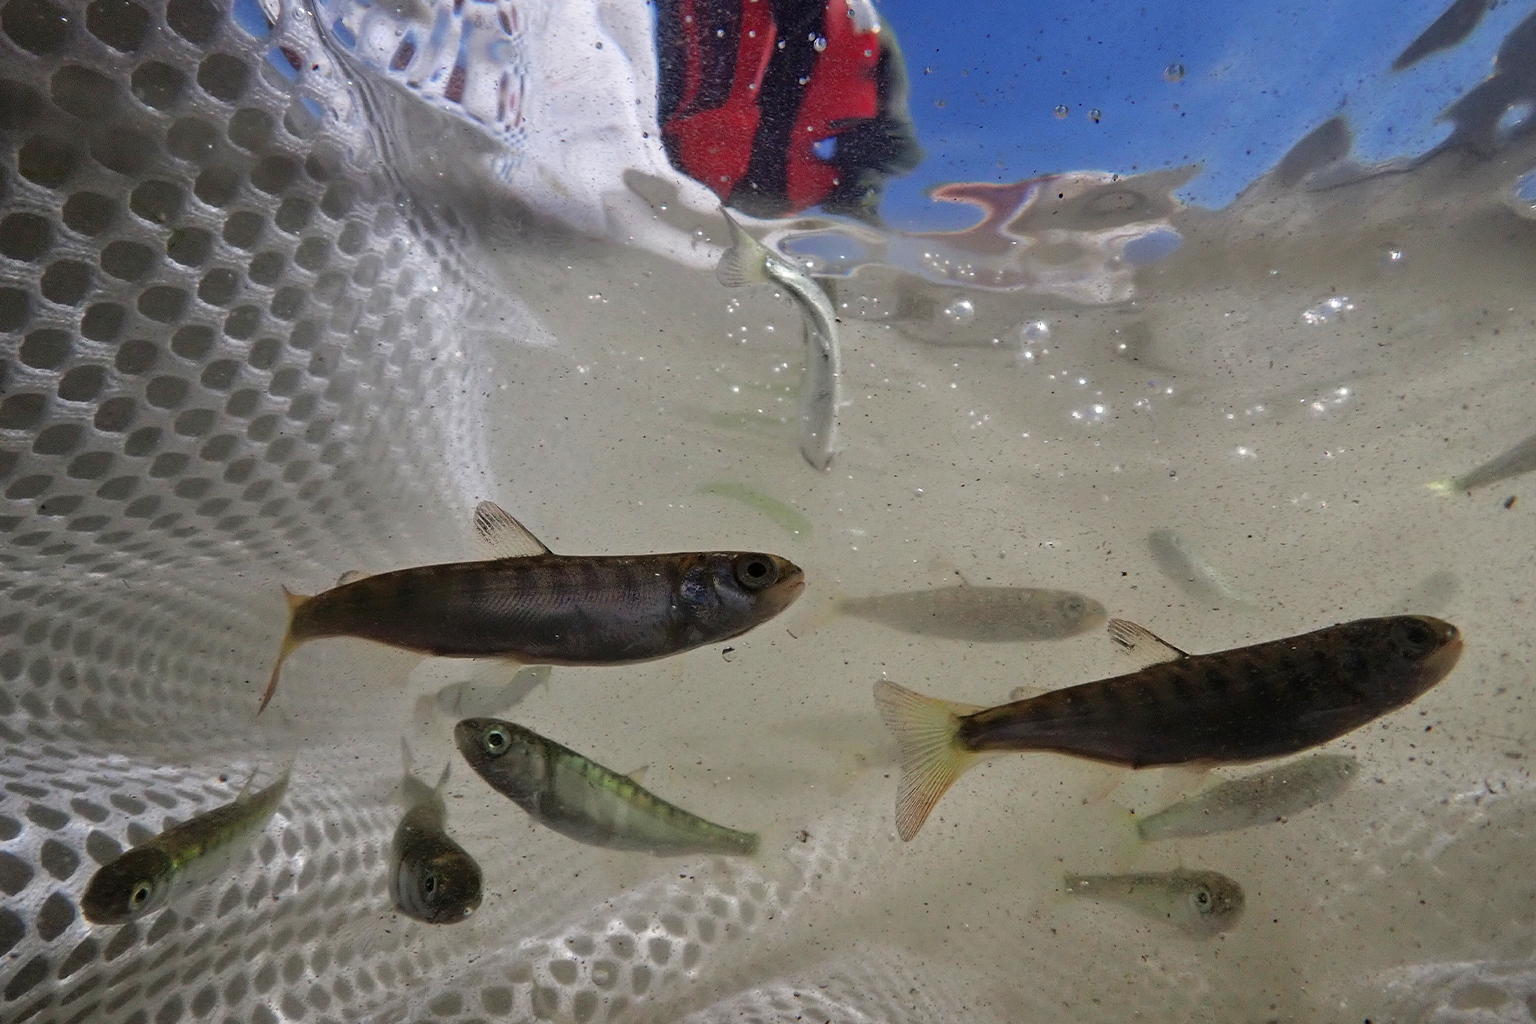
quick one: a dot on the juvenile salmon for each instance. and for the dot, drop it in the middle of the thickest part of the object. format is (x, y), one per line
(431, 877)
(1198, 903)
(1246, 704)
(982, 614)
(581, 799)
(180, 859)
(540, 608)
(1256, 799)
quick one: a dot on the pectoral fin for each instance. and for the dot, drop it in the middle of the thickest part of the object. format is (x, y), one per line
(502, 536)
(1142, 641)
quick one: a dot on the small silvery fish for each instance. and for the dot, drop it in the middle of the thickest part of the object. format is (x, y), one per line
(982, 614)
(431, 877)
(536, 607)
(1247, 704)
(182, 858)
(581, 799)
(1192, 572)
(1198, 903)
(473, 699)
(1513, 462)
(1255, 799)
(748, 261)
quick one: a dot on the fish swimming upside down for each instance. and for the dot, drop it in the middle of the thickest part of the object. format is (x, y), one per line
(536, 607)
(1246, 704)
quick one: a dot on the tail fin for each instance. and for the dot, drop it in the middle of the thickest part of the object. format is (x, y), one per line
(927, 733)
(745, 262)
(289, 643)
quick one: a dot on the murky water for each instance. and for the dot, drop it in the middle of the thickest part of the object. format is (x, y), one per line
(1278, 393)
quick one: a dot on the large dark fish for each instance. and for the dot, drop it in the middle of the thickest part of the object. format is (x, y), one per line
(579, 798)
(1246, 704)
(540, 608)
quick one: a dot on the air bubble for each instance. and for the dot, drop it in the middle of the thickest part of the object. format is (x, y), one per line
(960, 311)
(1095, 115)
(1174, 72)
(1061, 112)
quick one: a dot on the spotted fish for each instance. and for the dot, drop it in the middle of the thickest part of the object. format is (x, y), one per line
(431, 877)
(533, 606)
(1247, 704)
(581, 799)
(182, 858)
(1198, 903)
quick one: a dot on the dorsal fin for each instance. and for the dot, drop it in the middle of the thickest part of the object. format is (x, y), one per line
(503, 536)
(638, 774)
(1142, 641)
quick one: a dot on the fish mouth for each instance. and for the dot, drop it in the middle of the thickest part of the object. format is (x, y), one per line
(1439, 664)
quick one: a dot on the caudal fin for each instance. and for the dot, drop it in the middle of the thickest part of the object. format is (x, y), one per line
(927, 734)
(745, 262)
(289, 643)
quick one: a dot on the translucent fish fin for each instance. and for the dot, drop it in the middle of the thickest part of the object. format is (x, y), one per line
(1141, 640)
(638, 775)
(245, 790)
(745, 262)
(289, 643)
(350, 576)
(442, 780)
(503, 536)
(814, 616)
(1443, 486)
(1019, 693)
(927, 735)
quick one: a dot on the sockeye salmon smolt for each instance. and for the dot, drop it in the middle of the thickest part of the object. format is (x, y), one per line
(1198, 903)
(533, 606)
(431, 877)
(581, 799)
(180, 859)
(1246, 704)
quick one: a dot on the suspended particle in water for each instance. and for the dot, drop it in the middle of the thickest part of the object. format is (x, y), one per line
(1174, 72)
(1061, 111)
(961, 311)
(1095, 115)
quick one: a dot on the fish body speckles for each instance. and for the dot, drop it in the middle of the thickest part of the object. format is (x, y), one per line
(585, 801)
(1247, 704)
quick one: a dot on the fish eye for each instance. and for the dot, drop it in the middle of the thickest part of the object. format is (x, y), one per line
(1202, 897)
(140, 895)
(1413, 637)
(430, 884)
(756, 571)
(495, 740)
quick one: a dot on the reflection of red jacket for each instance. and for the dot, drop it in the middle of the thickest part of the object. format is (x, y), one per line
(780, 105)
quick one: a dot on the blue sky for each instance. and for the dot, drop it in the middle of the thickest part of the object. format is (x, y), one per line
(987, 76)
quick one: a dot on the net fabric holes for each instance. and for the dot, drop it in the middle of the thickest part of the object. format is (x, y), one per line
(24, 236)
(35, 25)
(121, 24)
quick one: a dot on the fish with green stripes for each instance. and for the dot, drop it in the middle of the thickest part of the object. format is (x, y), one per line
(1199, 903)
(533, 606)
(182, 858)
(1246, 704)
(584, 801)
(432, 878)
